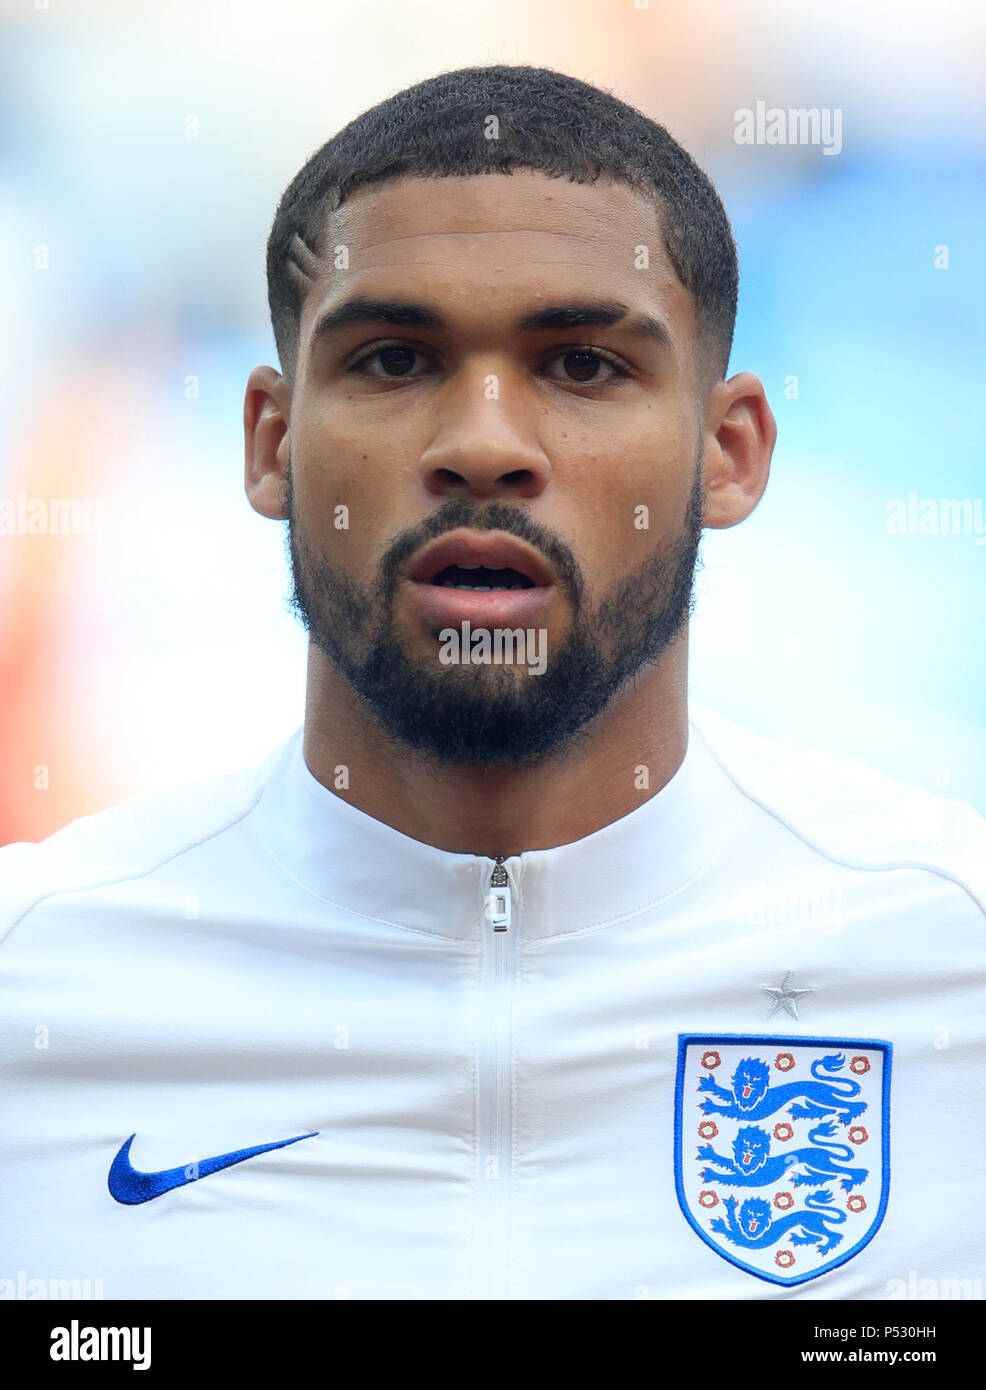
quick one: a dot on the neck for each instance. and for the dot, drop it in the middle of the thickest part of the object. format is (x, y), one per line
(631, 751)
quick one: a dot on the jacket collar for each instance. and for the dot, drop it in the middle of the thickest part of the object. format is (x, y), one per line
(359, 864)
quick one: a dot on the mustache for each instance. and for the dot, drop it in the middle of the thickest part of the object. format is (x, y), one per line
(490, 516)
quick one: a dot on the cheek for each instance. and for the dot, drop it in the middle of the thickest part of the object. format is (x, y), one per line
(626, 507)
(334, 523)
(348, 490)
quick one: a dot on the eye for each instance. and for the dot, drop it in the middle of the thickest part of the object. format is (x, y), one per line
(396, 359)
(583, 364)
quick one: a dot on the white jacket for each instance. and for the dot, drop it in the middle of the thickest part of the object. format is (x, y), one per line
(479, 1088)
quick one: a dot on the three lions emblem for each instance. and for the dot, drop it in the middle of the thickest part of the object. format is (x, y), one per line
(781, 1148)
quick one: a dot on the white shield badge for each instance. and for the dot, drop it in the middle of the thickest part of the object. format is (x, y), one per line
(781, 1148)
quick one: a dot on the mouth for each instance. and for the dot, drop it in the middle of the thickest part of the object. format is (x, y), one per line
(483, 561)
(487, 577)
(480, 579)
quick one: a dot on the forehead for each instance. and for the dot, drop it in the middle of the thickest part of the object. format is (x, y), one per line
(523, 231)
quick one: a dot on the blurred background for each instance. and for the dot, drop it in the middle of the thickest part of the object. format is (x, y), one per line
(143, 149)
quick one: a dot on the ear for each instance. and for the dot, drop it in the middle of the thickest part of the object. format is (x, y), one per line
(266, 420)
(740, 432)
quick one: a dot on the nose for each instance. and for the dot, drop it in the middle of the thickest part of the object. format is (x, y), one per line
(484, 443)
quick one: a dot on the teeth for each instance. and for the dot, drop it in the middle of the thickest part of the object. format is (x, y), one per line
(479, 588)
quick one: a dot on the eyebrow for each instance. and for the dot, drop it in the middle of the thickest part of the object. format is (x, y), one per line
(557, 317)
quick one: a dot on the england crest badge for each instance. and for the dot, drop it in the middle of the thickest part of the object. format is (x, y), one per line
(781, 1148)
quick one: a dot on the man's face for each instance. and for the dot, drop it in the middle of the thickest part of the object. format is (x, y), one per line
(562, 459)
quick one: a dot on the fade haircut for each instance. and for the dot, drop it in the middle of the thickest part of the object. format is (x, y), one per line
(547, 122)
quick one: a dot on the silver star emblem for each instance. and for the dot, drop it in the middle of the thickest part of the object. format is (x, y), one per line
(785, 997)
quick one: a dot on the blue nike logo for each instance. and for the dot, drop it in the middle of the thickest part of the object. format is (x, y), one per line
(131, 1187)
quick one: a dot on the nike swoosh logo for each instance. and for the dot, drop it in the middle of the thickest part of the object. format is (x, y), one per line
(130, 1186)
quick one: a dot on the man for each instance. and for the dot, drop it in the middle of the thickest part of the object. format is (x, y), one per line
(500, 979)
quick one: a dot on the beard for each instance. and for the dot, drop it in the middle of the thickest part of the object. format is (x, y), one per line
(481, 714)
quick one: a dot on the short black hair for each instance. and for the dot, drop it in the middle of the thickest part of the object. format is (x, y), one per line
(548, 122)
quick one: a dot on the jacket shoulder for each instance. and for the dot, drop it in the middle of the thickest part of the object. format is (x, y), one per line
(127, 840)
(850, 813)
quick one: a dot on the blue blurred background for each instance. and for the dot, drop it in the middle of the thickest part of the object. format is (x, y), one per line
(143, 150)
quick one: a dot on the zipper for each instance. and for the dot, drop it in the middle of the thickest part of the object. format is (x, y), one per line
(495, 1118)
(499, 896)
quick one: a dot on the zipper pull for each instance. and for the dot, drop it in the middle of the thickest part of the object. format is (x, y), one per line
(499, 896)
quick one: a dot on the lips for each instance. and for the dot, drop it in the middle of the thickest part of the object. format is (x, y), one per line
(487, 578)
(491, 551)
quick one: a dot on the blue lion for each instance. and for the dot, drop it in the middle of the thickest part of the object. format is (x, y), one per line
(753, 1098)
(754, 1229)
(753, 1166)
